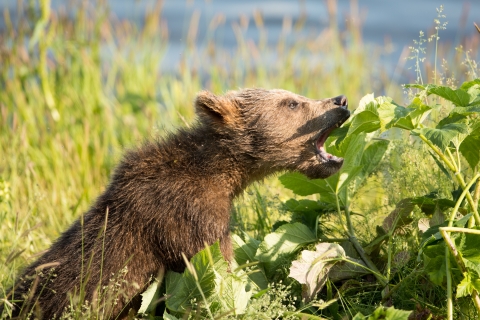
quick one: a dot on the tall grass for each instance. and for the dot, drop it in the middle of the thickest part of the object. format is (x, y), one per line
(76, 91)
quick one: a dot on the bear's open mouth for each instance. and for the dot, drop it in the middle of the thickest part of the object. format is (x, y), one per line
(322, 155)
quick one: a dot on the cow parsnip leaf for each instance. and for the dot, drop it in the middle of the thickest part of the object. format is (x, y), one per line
(282, 243)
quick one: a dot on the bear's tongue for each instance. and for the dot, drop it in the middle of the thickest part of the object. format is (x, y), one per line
(322, 154)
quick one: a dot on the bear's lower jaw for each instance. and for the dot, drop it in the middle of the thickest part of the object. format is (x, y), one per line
(323, 169)
(325, 157)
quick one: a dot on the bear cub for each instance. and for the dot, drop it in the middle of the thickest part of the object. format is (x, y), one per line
(170, 196)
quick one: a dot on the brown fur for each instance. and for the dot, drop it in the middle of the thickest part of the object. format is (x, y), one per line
(168, 197)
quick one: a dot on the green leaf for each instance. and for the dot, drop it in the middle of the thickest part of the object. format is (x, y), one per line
(304, 186)
(371, 158)
(167, 316)
(467, 245)
(417, 111)
(245, 252)
(233, 295)
(282, 244)
(467, 110)
(311, 269)
(346, 176)
(366, 121)
(149, 296)
(338, 135)
(395, 314)
(382, 313)
(182, 288)
(468, 84)
(442, 135)
(428, 204)
(470, 146)
(305, 205)
(434, 262)
(307, 211)
(352, 166)
(469, 283)
(458, 97)
(405, 118)
(474, 93)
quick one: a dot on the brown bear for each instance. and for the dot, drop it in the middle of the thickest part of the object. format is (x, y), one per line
(172, 195)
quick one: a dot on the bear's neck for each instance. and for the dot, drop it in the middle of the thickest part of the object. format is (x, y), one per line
(221, 157)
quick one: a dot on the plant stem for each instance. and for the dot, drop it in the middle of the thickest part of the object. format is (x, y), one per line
(449, 285)
(452, 159)
(463, 230)
(457, 175)
(353, 239)
(458, 259)
(451, 248)
(460, 199)
(476, 194)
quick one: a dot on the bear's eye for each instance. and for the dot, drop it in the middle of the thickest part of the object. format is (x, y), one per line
(292, 104)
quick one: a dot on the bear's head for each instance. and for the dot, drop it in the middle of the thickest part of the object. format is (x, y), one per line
(277, 129)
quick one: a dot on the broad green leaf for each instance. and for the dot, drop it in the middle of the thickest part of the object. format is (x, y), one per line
(442, 136)
(468, 84)
(311, 269)
(346, 177)
(474, 93)
(245, 252)
(470, 146)
(367, 101)
(390, 314)
(352, 152)
(149, 296)
(455, 119)
(469, 283)
(304, 186)
(182, 288)
(458, 97)
(167, 316)
(434, 262)
(468, 247)
(338, 135)
(386, 113)
(428, 204)
(437, 274)
(233, 295)
(382, 313)
(366, 121)
(467, 110)
(283, 243)
(309, 210)
(371, 158)
(306, 205)
(417, 111)
(408, 118)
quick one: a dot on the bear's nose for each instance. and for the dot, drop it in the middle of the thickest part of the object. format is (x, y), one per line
(341, 101)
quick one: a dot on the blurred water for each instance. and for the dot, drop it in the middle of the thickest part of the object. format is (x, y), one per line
(387, 23)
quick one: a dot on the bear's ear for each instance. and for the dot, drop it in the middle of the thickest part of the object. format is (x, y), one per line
(217, 108)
